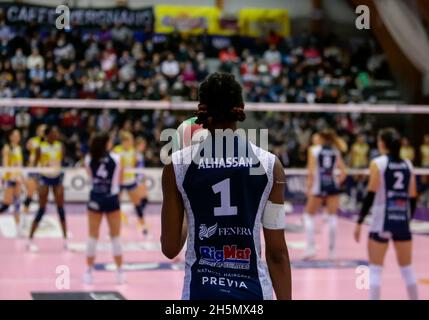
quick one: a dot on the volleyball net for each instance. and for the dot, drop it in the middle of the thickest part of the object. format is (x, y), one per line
(76, 181)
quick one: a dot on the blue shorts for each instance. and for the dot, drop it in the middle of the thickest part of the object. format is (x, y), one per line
(328, 193)
(33, 175)
(384, 237)
(103, 203)
(128, 187)
(10, 184)
(48, 181)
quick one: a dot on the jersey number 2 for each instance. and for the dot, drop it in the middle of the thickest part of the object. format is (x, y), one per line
(399, 182)
(225, 209)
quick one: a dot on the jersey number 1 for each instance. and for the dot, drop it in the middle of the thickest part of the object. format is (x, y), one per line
(225, 209)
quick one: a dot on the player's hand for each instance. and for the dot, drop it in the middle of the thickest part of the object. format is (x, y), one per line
(357, 232)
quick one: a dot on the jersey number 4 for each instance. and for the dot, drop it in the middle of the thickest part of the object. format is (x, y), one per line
(225, 209)
(102, 171)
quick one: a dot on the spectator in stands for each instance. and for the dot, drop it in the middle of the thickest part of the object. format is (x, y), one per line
(19, 60)
(170, 68)
(35, 59)
(407, 150)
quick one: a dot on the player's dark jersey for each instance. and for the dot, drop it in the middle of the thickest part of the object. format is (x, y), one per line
(224, 196)
(391, 211)
(105, 175)
(324, 183)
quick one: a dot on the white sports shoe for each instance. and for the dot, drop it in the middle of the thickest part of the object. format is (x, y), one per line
(87, 277)
(121, 277)
(31, 247)
(309, 254)
(65, 244)
(332, 255)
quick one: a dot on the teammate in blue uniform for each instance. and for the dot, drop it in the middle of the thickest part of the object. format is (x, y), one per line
(104, 169)
(324, 160)
(229, 193)
(392, 199)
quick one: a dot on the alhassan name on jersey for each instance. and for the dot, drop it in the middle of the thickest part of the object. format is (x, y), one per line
(228, 162)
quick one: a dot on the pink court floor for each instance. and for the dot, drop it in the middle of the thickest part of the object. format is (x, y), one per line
(152, 276)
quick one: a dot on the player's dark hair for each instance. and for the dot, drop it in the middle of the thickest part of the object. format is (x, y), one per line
(392, 141)
(98, 146)
(221, 99)
(49, 128)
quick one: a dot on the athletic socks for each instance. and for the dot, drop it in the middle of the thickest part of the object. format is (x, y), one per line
(374, 281)
(139, 210)
(91, 246)
(27, 202)
(40, 214)
(332, 230)
(61, 213)
(410, 280)
(309, 230)
(143, 203)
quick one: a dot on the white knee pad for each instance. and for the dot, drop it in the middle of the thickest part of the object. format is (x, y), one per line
(116, 247)
(408, 275)
(375, 275)
(91, 246)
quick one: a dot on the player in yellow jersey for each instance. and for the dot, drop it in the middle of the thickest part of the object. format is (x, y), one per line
(424, 156)
(140, 145)
(32, 178)
(50, 155)
(128, 155)
(424, 151)
(12, 157)
(359, 159)
(407, 150)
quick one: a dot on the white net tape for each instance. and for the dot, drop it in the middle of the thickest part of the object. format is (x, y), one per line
(288, 172)
(187, 105)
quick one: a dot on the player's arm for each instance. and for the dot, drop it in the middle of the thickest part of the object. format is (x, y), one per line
(37, 156)
(5, 155)
(311, 167)
(173, 226)
(412, 192)
(276, 251)
(373, 183)
(342, 168)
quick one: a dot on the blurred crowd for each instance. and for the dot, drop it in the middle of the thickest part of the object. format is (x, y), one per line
(122, 64)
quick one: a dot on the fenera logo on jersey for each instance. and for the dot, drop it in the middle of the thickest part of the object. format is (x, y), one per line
(207, 232)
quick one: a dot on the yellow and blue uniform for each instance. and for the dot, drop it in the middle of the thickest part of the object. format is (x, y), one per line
(359, 157)
(51, 156)
(15, 159)
(424, 150)
(407, 153)
(34, 144)
(128, 161)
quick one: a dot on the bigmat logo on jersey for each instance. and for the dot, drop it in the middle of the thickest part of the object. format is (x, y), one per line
(228, 257)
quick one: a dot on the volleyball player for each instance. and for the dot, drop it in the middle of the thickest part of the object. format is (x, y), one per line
(50, 155)
(128, 157)
(359, 160)
(323, 185)
(32, 178)
(226, 206)
(392, 197)
(12, 157)
(104, 169)
(140, 146)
